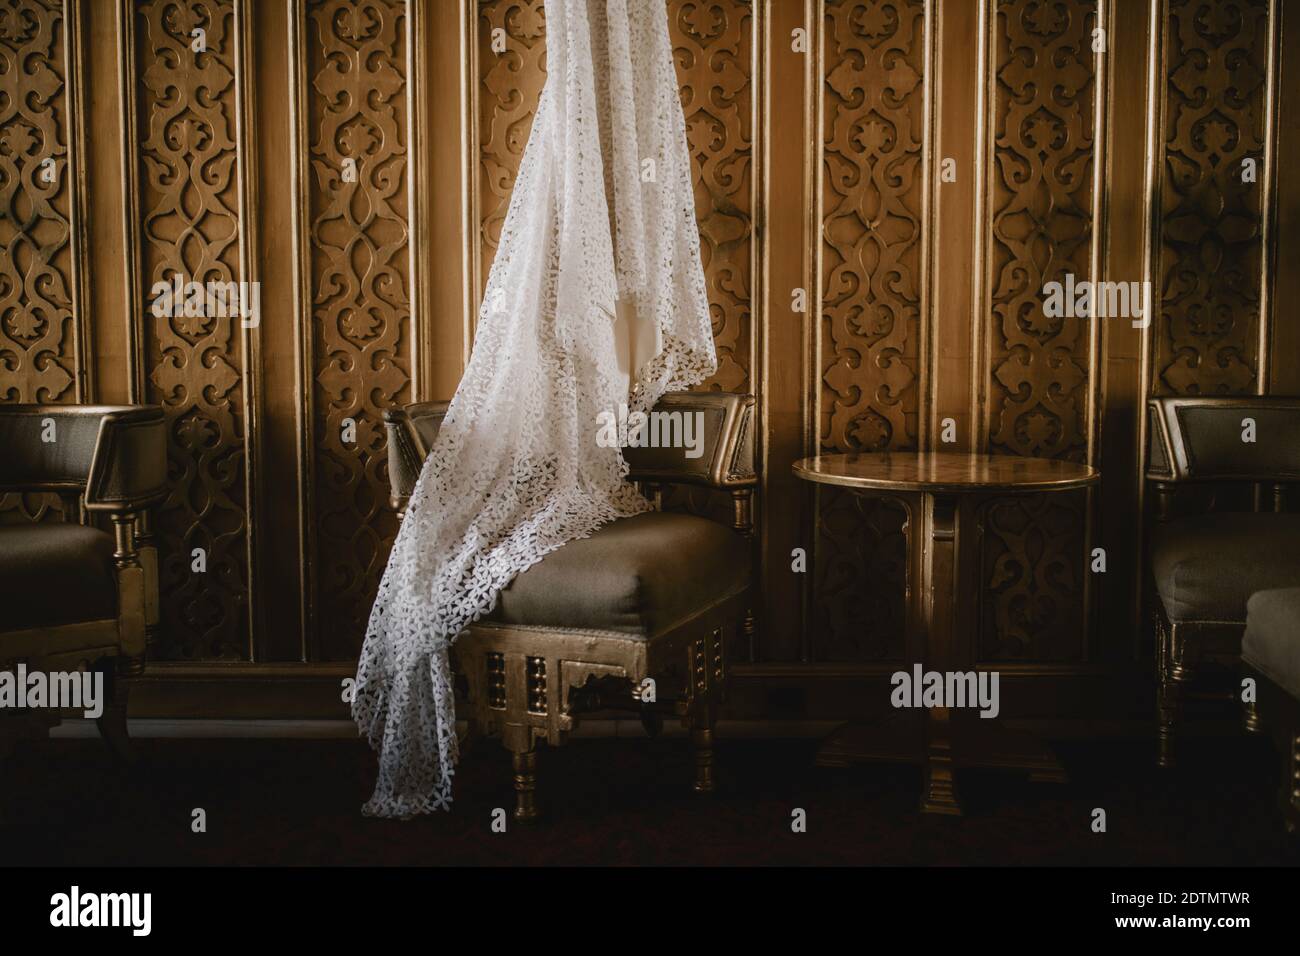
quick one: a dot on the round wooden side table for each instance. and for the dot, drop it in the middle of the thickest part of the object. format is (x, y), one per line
(943, 493)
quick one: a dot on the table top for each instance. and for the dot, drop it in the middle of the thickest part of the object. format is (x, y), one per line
(946, 471)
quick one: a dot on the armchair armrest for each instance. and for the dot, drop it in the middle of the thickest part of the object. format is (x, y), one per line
(115, 455)
(726, 443)
(411, 430)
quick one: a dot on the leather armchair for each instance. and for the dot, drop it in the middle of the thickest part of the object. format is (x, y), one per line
(1206, 565)
(656, 600)
(73, 596)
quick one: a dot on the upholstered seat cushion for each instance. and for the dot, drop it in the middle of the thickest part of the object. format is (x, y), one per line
(53, 574)
(1206, 566)
(641, 575)
(1272, 641)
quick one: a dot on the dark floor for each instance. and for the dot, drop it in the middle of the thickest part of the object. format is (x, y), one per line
(615, 801)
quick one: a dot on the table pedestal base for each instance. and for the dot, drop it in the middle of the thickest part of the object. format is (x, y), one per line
(944, 494)
(916, 737)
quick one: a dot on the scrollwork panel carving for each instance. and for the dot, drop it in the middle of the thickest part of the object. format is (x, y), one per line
(38, 351)
(1041, 200)
(189, 222)
(872, 229)
(714, 56)
(360, 326)
(1211, 252)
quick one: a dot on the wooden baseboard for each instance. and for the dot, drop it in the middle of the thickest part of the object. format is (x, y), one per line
(145, 728)
(758, 692)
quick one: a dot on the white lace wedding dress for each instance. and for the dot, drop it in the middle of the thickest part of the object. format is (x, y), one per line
(596, 298)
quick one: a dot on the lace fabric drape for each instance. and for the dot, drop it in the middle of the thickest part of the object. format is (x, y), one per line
(602, 218)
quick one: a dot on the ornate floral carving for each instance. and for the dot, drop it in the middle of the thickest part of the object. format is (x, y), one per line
(37, 331)
(714, 65)
(511, 82)
(1042, 225)
(711, 43)
(189, 226)
(1211, 254)
(1042, 228)
(1033, 603)
(37, 350)
(873, 183)
(360, 298)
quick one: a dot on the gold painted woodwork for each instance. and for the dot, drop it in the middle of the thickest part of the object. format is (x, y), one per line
(1037, 389)
(944, 495)
(939, 471)
(814, 170)
(1211, 254)
(42, 331)
(359, 339)
(190, 219)
(43, 304)
(875, 173)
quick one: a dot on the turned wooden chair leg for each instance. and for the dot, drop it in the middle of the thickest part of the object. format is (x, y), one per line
(525, 767)
(1169, 701)
(1250, 721)
(1291, 786)
(112, 722)
(702, 739)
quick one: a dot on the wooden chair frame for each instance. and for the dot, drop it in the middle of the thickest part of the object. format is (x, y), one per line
(528, 684)
(104, 485)
(1173, 468)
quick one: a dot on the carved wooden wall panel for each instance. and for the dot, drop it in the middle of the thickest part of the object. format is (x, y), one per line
(511, 38)
(884, 352)
(360, 299)
(1211, 254)
(194, 364)
(41, 341)
(713, 48)
(872, 224)
(1041, 210)
(38, 347)
(712, 43)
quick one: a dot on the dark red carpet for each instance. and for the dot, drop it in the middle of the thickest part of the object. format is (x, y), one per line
(627, 802)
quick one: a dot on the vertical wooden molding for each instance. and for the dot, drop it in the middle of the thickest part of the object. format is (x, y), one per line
(785, 229)
(472, 215)
(1098, 335)
(75, 57)
(417, 88)
(1153, 174)
(1268, 200)
(130, 139)
(981, 242)
(304, 355)
(250, 338)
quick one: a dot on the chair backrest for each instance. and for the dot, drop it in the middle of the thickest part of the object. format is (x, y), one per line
(724, 440)
(116, 455)
(1227, 438)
